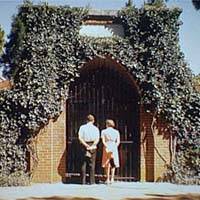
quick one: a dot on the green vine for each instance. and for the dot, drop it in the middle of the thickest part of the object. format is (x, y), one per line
(1, 39)
(45, 53)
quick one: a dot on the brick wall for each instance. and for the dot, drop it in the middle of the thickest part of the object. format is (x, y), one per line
(154, 147)
(51, 148)
(146, 146)
(162, 148)
(51, 153)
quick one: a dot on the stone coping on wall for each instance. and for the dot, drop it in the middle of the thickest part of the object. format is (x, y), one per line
(98, 16)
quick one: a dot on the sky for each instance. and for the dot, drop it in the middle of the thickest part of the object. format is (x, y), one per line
(189, 31)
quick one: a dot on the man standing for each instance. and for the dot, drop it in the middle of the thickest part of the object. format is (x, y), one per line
(89, 137)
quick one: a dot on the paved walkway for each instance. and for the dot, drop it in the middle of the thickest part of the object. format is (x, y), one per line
(115, 191)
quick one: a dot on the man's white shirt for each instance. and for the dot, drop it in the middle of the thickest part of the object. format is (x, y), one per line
(89, 132)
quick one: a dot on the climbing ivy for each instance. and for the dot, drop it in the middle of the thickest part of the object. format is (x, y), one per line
(167, 82)
(1, 39)
(45, 53)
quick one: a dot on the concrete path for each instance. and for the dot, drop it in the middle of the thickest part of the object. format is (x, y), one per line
(115, 191)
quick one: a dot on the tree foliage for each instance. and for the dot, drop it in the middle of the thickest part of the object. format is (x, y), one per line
(45, 53)
(1, 39)
(196, 4)
(167, 82)
(14, 49)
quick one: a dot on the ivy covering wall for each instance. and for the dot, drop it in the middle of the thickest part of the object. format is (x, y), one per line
(44, 55)
(1, 39)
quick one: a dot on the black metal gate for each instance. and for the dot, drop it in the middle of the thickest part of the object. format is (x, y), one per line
(106, 93)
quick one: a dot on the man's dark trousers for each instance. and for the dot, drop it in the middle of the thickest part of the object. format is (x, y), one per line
(90, 161)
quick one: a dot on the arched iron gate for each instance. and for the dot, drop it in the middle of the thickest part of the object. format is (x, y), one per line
(106, 93)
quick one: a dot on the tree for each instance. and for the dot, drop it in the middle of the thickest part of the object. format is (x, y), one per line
(11, 57)
(156, 2)
(196, 4)
(129, 3)
(1, 39)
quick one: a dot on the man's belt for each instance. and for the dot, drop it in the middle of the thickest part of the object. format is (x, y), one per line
(90, 142)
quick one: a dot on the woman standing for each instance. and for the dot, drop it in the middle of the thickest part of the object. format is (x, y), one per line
(111, 140)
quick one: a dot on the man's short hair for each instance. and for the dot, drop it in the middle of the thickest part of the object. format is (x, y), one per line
(90, 118)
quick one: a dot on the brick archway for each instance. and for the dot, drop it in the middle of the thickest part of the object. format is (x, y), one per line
(52, 142)
(106, 89)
